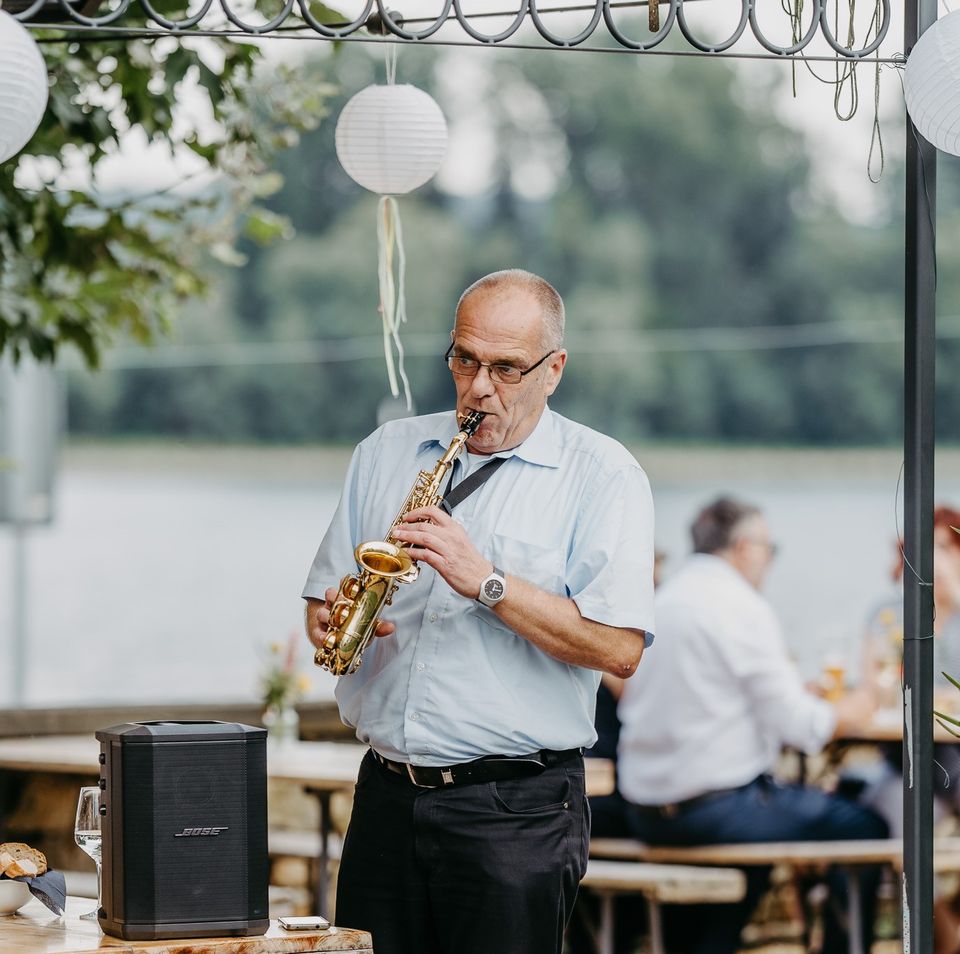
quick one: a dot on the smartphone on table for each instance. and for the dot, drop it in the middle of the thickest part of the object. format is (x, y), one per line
(312, 922)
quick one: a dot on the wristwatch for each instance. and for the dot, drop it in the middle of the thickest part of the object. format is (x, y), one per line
(493, 588)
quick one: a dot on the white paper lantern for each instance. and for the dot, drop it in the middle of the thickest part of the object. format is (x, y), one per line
(391, 139)
(23, 87)
(931, 84)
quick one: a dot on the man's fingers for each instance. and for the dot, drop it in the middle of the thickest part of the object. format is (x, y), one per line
(385, 628)
(424, 515)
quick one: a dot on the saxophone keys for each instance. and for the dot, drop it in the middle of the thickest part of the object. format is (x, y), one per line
(338, 615)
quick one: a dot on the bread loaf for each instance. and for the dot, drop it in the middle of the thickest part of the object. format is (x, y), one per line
(18, 860)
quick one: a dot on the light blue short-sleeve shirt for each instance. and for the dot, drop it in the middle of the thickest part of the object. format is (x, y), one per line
(570, 512)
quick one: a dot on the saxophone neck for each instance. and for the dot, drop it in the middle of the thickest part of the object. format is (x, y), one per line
(453, 451)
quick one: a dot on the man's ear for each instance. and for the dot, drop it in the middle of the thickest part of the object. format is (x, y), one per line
(557, 363)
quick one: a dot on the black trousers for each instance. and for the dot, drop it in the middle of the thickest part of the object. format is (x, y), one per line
(465, 869)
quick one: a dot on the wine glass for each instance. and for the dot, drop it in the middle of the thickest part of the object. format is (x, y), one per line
(88, 834)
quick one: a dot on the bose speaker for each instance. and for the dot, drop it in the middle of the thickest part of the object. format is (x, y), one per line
(184, 808)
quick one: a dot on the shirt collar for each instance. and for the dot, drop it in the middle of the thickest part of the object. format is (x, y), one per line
(717, 564)
(539, 448)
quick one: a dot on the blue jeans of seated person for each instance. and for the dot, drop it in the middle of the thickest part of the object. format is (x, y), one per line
(468, 869)
(763, 810)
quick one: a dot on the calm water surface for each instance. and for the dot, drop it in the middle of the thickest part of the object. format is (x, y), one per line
(168, 583)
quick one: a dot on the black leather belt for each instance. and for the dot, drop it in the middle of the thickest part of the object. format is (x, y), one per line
(672, 809)
(490, 768)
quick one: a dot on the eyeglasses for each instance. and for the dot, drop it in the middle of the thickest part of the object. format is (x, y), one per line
(501, 373)
(770, 547)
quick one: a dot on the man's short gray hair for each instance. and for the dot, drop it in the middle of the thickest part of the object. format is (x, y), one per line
(715, 527)
(551, 304)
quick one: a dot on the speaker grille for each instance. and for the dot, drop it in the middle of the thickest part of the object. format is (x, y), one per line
(186, 822)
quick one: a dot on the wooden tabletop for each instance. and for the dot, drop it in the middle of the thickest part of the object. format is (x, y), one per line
(36, 930)
(331, 766)
(887, 726)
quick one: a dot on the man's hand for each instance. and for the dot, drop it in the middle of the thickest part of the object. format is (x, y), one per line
(318, 616)
(435, 538)
(854, 711)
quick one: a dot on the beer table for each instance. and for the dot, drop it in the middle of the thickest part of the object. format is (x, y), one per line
(35, 929)
(321, 768)
(887, 726)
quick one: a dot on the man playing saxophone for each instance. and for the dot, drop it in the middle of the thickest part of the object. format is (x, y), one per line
(469, 814)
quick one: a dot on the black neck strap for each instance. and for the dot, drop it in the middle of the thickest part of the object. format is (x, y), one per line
(469, 484)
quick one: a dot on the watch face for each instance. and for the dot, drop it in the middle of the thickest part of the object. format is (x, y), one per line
(493, 589)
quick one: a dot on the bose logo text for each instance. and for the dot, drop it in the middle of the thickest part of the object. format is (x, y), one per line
(200, 832)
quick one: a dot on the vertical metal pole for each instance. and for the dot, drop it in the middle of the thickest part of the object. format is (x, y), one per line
(918, 443)
(18, 654)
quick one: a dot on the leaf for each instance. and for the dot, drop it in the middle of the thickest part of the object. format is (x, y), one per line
(948, 718)
(950, 679)
(265, 227)
(947, 727)
(324, 14)
(224, 252)
(267, 184)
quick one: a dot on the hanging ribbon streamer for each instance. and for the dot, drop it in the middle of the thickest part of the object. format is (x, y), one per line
(391, 140)
(393, 302)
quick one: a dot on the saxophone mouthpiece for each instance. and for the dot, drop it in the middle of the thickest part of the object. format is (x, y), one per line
(471, 421)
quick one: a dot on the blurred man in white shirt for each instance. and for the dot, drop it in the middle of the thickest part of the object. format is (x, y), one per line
(704, 722)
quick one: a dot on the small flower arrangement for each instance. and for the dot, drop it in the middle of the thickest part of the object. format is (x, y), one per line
(282, 684)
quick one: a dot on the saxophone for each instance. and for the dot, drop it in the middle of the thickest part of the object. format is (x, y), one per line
(382, 565)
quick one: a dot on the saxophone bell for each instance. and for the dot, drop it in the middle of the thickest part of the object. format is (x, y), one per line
(386, 559)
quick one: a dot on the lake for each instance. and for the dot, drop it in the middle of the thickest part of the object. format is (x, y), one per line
(169, 570)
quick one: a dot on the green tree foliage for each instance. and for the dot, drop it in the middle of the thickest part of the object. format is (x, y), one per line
(672, 208)
(85, 265)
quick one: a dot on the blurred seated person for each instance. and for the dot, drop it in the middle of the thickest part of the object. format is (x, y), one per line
(882, 667)
(705, 718)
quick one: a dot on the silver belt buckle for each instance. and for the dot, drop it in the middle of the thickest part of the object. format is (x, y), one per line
(413, 777)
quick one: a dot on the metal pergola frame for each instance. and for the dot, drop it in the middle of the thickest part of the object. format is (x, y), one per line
(76, 18)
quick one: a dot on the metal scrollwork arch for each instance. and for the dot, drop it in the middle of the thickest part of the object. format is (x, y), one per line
(638, 45)
(384, 21)
(845, 52)
(464, 21)
(584, 34)
(745, 7)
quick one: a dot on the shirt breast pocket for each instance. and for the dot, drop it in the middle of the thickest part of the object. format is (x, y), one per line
(533, 561)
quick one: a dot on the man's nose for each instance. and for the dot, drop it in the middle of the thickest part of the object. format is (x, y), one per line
(482, 384)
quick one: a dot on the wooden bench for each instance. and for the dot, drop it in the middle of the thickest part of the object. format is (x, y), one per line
(659, 884)
(847, 855)
(299, 843)
(307, 846)
(946, 856)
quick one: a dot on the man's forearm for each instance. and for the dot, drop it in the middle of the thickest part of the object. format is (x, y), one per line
(555, 625)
